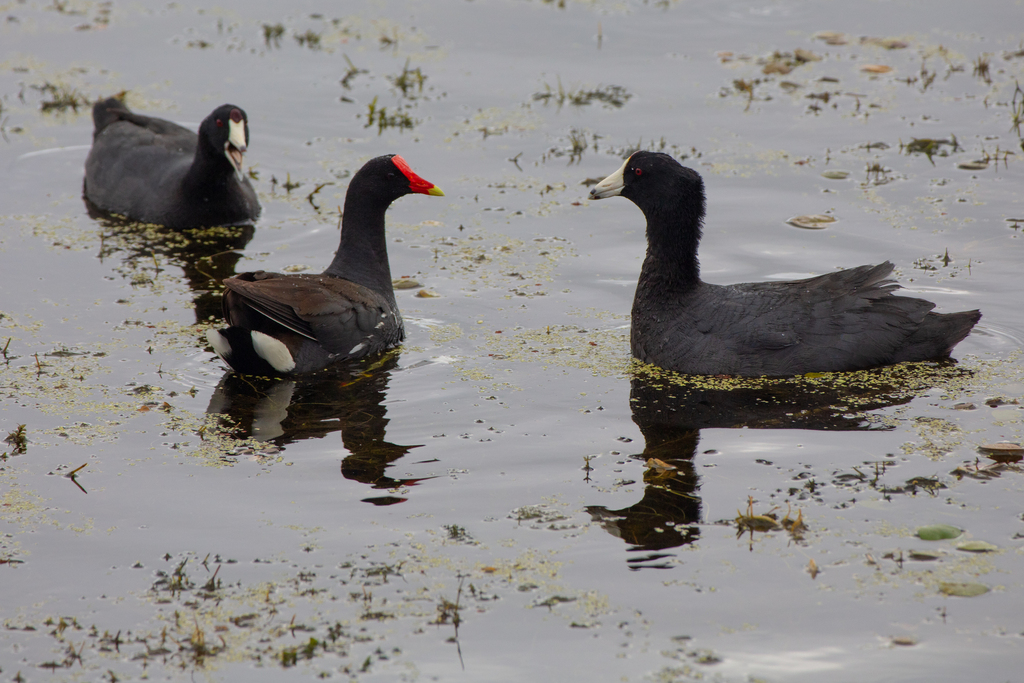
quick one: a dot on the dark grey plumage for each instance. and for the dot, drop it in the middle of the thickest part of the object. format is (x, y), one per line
(156, 171)
(847, 320)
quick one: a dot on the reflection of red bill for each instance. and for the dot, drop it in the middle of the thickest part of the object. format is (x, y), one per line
(416, 183)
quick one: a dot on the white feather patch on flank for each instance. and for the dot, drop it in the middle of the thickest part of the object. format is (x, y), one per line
(219, 342)
(357, 348)
(273, 351)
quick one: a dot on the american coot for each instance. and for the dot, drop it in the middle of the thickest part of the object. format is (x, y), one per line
(846, 320)
(156, 171)
(291, 324)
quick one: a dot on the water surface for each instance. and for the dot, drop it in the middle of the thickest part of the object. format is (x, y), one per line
(476, 504)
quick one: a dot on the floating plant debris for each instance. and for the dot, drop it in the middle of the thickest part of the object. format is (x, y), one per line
(815, 221)
(61, 98)
(937, 532)
(308, 39)
(1003, 448)
(609, 95)
(977, 547)
(832, 37)
(18, 439)
(925, 555)
(272, 34)
(963, 589)
(931, 147)
(887, 43)
(784, 62)
(385, 119)
(410, 81)
(660, 468)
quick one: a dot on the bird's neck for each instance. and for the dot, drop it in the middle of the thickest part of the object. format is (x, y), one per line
(362, 255)
(210, 172)
(671, 264)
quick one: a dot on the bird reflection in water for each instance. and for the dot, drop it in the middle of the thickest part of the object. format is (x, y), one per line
(670, 411)
(205, 255)
(348, 399)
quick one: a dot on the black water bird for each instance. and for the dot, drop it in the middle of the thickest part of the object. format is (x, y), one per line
(846, 320)
(155, 171)
(292, 324)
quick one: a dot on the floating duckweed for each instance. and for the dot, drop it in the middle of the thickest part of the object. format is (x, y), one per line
(445, 334)
(602, 352)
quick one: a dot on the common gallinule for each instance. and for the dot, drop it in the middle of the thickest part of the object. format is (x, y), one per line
(292, 324)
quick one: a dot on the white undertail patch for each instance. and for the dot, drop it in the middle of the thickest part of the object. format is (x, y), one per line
(357, 348)
(219, 342)
(273, 351)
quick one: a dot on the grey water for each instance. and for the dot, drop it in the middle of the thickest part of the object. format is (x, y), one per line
(486, 503)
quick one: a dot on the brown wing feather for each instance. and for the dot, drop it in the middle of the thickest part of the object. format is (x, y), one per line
(318, 307)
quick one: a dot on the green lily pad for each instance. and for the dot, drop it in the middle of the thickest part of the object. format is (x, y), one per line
(937, 532)
(977, 547)
(836, 175)
(963, 589)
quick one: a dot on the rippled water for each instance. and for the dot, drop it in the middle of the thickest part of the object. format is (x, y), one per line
(477, 505)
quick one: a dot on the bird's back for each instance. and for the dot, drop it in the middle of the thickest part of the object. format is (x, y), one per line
(136, 162)
(846, 320)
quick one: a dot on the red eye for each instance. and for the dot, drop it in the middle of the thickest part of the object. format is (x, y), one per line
(638, 172)
(220, 124)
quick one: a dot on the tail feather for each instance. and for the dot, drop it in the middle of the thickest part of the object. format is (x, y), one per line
(106, 112)
(937, 334)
